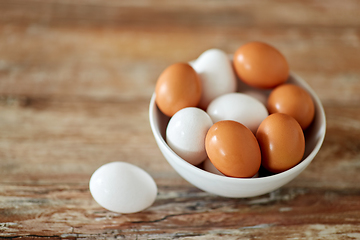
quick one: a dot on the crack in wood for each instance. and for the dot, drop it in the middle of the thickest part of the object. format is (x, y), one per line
(32, 236)
(163, 218)
(185, 235)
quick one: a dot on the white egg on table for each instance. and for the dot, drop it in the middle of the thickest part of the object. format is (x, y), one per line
(216, 74)
(238, 107)
(122, 187)
(186, 132)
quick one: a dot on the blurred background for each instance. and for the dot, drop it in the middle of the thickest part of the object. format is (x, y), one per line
(69, 68)
(115, 49)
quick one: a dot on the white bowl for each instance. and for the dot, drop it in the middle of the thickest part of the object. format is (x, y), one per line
(241, 187)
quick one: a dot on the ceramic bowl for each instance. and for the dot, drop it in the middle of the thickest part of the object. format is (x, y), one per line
(241, 187)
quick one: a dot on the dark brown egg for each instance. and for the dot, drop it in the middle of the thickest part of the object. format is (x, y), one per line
(281, 141)
(178, 87)
(294, 101)
(233, 150)
(260, 65)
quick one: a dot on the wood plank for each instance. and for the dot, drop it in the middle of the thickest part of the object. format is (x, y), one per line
(64, 140)
(47, 210)
(123, 64)
(188, 13)
(40, 57)
(57, 141)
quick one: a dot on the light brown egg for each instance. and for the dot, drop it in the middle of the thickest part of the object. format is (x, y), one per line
(294, 101)
(281, 141)
(260, 65)
(177, 87)
(233, 150)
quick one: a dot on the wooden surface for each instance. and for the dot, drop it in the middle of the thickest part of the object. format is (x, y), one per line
(76, 79)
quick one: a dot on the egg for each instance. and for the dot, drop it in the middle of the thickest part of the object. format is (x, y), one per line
(260, 65)
(281, 141)
(233, 149)
(294, 101)
(185, 134)
(209, 167)
(217, 75)
(259, 95)
(238, 107)
(177, 87)
(122, 187)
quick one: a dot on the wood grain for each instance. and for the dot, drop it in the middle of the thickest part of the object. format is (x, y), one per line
(46, 210)
(76, 79)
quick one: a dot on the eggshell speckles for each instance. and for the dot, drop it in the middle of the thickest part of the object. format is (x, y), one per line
(185, 134)
(294, 101)
(177, 87)
(122, 187)
(282, 142)
(260, 65)
(238, 107)
(216, 73)
(233, 149)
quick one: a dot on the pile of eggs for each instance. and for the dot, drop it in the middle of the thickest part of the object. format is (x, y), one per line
(230, 131)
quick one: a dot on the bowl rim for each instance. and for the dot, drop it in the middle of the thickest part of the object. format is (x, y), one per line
(296, 169)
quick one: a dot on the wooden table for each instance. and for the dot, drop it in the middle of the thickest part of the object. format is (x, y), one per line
(76, 79)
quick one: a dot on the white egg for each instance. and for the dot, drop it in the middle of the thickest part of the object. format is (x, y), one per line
(256, 175)
(209, 167)
(216, 73)
(238, 107)
(259, 95)
(122, 187)
(186, 132)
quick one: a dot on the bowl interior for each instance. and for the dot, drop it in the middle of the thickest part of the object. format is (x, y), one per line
(242, 187)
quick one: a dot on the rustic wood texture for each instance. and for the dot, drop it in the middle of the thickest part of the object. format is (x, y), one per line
(76, 79)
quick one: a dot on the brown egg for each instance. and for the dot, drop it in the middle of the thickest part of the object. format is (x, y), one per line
(233, 150)
(294, 101)
(260, 65)
(178, 87)
(281, 141)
